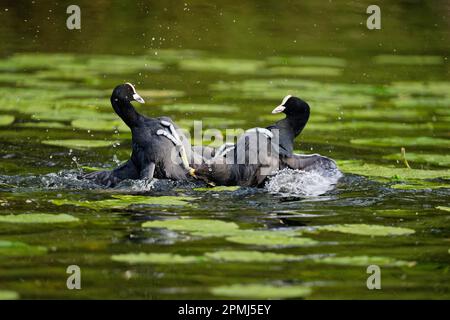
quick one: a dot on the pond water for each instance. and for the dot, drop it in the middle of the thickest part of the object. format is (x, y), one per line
(371, 92)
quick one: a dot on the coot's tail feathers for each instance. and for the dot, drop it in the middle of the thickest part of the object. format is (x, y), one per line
(111, 178)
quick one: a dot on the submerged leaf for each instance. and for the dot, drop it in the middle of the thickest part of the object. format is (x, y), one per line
(367, 230)
(38, 218)
(261, 291)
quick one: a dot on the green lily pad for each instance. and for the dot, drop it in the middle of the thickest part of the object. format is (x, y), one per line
(435, 159)
(251, 256)
(13, 249)
(123, 201)
(409, 59)
(100, 125)
(8, 295)
(394, 213)
(218, 189)
(192, 107)
(367, 230)
(390, 173)
(38, 218)
(156, 258)
(261, 291)
(213, 227)
(443, 208)
(79, 144)
(6, 120)
(270, 238)
(403, 142)
(364, 261)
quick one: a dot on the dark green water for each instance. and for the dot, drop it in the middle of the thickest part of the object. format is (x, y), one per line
(240, 59)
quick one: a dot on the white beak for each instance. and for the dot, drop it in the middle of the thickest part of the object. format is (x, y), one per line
(138, 98)
(279, 109)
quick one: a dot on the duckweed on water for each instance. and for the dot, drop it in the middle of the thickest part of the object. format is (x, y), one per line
(261, 291)
(14, 249)
(38, 218)
(124, 201)
(367, 230)
(79, 144)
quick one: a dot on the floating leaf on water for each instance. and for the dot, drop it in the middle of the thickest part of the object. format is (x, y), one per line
(367, 230)
(422, 102)
(397, 174)
(303, 71)
(261, 291)
(251, 256)
(443, 208)
(231, 66)
(100, 125)
(435, 159)
(79, 144)
(408, 59)
(394, 213)
(159, 94)
(308, 61)
(156, 258)
(419, 88)
(420, 185)
(206, 108)
(43, 125)
(14, 249)
(403, 142)
(213, 227)
(6, 120)
(38, 218)
(8, 295)
(270, 238)
(218, 189)
(123, 201)
(368, 125)
(364, 261)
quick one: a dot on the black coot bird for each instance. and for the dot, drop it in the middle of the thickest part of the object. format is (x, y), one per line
(259, 152)
(158, 149)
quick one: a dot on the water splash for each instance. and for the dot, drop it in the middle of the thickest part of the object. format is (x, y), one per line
(289, 182)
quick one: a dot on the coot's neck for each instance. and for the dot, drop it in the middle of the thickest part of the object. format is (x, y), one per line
(125, 111)
(294, 124)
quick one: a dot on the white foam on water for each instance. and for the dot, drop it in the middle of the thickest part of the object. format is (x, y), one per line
(289, 182)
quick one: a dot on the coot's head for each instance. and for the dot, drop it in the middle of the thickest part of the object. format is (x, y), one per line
(293, 106)
(127, 92)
